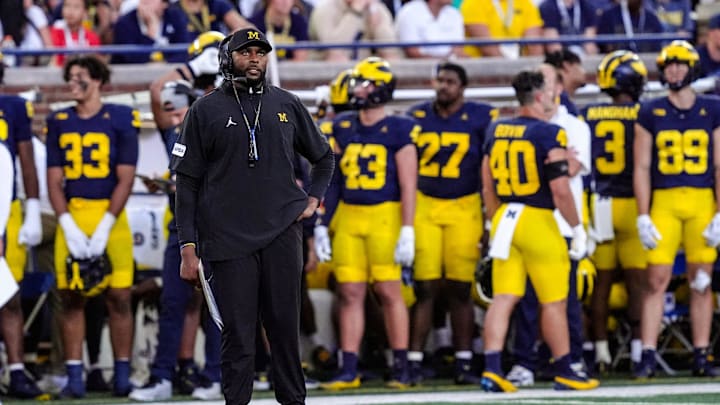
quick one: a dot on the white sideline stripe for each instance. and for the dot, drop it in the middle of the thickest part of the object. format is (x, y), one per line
(539, 396)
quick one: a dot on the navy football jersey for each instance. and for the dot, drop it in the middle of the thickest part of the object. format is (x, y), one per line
(88, 150)
(450, 149)
(367, 157)
(517, 149)
(682, 141)
(15, 122)
(612, 128)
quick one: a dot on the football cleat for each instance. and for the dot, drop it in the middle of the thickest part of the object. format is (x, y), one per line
(492, 382)
(342, 381)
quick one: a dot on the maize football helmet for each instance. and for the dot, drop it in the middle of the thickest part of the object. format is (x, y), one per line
(209, 39)
(483, 282)
(679, 52)
(622, 72)
(340, 91)
(372, 71)
(90, 277)
(585, 282)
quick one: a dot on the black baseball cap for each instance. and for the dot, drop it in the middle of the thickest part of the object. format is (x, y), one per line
(248, 37)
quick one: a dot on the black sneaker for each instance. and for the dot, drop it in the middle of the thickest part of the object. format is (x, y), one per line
(95, 381)
(23, 387)
(704, 366)
(188, 378)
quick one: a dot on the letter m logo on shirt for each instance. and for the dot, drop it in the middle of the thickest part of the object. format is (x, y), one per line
(282, 117)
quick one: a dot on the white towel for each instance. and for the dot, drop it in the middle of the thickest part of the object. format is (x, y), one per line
(502, 240)
(8, 286)
(603, 218)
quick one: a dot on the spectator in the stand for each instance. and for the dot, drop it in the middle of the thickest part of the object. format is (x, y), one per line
(572, 73)
(152, 23)
(710, 51)
(69, 31)
(35, 32)
(101, 16)
(287, 25)
(352, 20)
(210, 15)
(674, 14)
(430, 21)
(642, 20)
(502, 19)
(569, 17)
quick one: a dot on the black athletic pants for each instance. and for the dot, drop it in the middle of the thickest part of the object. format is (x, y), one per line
(265, 284)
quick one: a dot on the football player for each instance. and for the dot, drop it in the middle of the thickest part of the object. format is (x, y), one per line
(622, 76)
(526, 315)
(448, 221)
(92, 151)
(373, 224)
(15, 132)
(676, 152)
(525, 177)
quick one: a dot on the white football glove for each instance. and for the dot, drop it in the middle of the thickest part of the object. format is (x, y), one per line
(712, 232)
(75, 239)
(206, 63)
(31, 230)
(578, 244)
(100, 237)
(323, 249)
(405, 248)
(649, 235)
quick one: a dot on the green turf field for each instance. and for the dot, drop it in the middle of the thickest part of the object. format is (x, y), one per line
(683, 390)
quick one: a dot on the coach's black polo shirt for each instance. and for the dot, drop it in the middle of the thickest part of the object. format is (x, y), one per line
(241, 209)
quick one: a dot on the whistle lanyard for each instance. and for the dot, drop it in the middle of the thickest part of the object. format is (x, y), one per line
(573, 26)
(505, 16)
(202, 24)
(627, 22)
(253, 156)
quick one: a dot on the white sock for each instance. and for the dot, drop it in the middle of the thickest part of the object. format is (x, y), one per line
(463, 355)
(16, 367)
(415, 356)
(636, 349)
(602, 352)
(74, 362)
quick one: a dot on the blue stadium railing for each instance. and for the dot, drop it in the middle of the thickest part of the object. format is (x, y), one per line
(181, 48)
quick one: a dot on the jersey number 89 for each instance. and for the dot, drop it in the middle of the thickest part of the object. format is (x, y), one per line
(682, 152)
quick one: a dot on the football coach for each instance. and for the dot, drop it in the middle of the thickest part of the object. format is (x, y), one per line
(239, 210)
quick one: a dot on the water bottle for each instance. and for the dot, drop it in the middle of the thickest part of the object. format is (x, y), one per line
(8, 43)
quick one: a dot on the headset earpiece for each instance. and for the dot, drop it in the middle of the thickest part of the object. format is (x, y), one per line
(225, 59)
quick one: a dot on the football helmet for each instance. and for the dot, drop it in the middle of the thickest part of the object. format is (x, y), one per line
(679, 52)
(483, 282)
(622, 72)
(340, 91)
(375, 71)
(585, 282)
(90, 277)
(205, 40)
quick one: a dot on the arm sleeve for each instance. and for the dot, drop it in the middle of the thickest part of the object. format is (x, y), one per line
(321, 175)
(6, 186)
(188, 156)
(332, 198)
(186, 197)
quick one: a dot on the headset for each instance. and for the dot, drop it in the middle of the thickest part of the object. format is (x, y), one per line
(225, 59)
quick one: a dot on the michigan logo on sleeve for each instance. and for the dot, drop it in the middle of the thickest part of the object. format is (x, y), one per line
(179, 149)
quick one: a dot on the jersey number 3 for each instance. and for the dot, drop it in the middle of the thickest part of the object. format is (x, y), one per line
(87, 155)
(513, 167)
